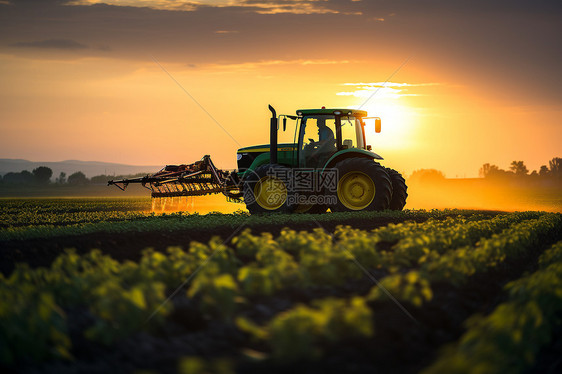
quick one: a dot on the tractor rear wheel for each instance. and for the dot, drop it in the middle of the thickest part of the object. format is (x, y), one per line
(399, 190)
(363, 184)
(266, 190)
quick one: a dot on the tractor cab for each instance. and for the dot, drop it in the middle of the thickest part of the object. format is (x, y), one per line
(324, 132)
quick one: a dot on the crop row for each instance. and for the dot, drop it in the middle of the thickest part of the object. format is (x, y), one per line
(317, 257)
(73, 205)
(34, 219)
(121, 297)
(24, 213)
(508, 339)
(413, 243)
(25, 219)
(458, 264)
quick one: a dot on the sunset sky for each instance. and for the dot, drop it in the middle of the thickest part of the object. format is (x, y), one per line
(460, 83)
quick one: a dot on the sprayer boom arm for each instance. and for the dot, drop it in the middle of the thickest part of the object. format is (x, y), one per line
(199, 178)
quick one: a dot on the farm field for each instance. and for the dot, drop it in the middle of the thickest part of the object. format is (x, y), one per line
(103, 285)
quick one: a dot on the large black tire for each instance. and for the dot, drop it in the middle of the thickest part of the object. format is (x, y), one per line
(363, 184)
(266, 190)
(399, 190)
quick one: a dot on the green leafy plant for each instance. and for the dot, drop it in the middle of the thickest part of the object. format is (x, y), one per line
(32, 326)
(121, 311)
(300, 332)
(217, 292)
(411, 287)
(509, 339)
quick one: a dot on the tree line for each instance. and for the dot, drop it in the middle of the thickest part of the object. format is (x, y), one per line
(42, 175)
(519, 169)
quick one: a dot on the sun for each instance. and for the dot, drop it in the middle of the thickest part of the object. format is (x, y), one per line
(398, 124)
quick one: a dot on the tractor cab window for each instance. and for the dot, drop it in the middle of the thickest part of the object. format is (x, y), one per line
(351, 132)
(317, 140)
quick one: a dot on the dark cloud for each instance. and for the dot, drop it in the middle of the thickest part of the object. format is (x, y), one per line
(458, 6)
(66, 44)
(104, 48)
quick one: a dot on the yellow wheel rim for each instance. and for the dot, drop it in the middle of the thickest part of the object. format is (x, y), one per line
(270, 193)
(356, 190)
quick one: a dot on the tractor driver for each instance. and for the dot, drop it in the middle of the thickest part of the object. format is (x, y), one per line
(326, 144)
(325, 134)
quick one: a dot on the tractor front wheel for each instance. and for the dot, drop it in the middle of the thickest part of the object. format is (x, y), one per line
(362, 185)
(266, 190)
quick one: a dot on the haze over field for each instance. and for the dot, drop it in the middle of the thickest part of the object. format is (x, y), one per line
(458, 84)
(89, 168)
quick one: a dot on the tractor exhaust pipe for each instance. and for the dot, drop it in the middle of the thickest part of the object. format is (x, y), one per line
(273, 137)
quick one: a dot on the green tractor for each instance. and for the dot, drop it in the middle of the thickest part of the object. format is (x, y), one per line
(328, 166)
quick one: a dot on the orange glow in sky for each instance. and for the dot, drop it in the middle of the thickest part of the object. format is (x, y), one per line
(95, 84)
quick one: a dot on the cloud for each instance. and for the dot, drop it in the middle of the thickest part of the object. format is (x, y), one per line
(383, 90)
(391, 84)
(264, 63)
(290, 6)
(177, 5)
(66, 44)
(257, 6)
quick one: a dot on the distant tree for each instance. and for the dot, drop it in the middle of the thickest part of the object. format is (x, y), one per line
(10, 178)
(492, 171)
(27, 177)
(519, 168)
(77, 178)
(427, 175)
(100, 179)
(62, 178)
(42, 175)
(488, 170)
(24, 177)
(543, 172)
(555, 166)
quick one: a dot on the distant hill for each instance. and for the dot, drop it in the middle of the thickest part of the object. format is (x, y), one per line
(90, 168)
